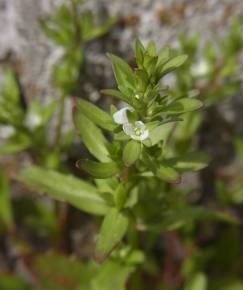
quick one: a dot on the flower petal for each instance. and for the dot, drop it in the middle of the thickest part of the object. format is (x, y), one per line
(140, 125)
(128, 128)
(120, 117)
(144, 135)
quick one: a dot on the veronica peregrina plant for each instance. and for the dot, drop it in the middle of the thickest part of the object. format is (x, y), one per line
(134, 163)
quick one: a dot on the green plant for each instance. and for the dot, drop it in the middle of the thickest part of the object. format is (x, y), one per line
(135, 161)
(139, 153)
(71, 30)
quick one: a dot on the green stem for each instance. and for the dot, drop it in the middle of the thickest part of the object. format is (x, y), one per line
(60, 121)
(76, 23)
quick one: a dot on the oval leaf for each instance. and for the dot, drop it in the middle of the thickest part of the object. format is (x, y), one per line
(173, 63)
(99, 170)
(120, 196)
(182, 105)
(122, 71)
(161, 133)
(92, 137)
(96, 115)
(116, 94)
(131, 152)
(64, 187)
(112, 231)
(168, 174)
(198, 282)
(190, 161)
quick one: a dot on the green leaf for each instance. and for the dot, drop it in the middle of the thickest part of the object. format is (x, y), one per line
(139, 52)
(6, 213)
(176, 218)
(108, 185)
(122, 71)
(13, 282)
(197, 282)
(116, 94)
(163, 56)
(182, 105)
(120, 196)
(168, 173)
(151, 48)
(11, 111)
(112, 231)
(10, 87)
(150, 64)
(161, 133)
(188, 127)
(16, 144)
(226, 283)
(111, 275)
(66, 71)
(190, 162)
(90, 31)
(64, 188)
(99, 170)
(131, 152)
(56, 271)
(173, 63)
(96, 115)
(92, 137)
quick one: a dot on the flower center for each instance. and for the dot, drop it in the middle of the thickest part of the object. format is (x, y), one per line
(138, 131)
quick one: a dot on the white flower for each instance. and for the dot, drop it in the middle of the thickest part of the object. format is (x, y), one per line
(200, 69)
(33, 120)
(6, 131)
(120, 117)
(136, 131)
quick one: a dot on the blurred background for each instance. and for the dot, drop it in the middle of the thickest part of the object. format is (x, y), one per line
(52, 51)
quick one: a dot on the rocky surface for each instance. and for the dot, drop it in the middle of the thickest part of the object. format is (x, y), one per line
(162, 21)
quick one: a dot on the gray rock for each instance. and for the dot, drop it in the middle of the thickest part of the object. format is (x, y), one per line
(161, 21)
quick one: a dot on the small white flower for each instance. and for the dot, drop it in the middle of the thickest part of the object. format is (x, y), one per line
(6, 131)
(33, 120)
(120, 117)
(136, 131)
(200, 69)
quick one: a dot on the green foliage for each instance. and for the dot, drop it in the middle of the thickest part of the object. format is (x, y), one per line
(92, 137)
(63, 187)
(198, 281)
(11, 282)
(141, 153)
(22, 128)
(137, 152)
(71, 30)
(99, 170)
(59, 272)
(131, 152)
(95, 114)
(10, 110)
(6, 213)
(112, 231)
